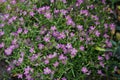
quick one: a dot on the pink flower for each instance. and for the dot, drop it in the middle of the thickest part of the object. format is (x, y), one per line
(2, 45)
(85, 12)
(48, 15)
(95, 17)
(73, 52)
(107, 57)
(100, 72)
(112, 26)
(108, 43)
(20, 60)
(79, 2)
(6, 16)
(62, 35)
(51, 1)
(32, 13)
(27, 70)
(24, 13)
(80, 27)
(64, 1)
(19, 30)
(12, 47)
(25, 31)
(69, 45)
(63, 12)
(64, 78)
(84, 70)
(103, 1)
(40, 46)
(106, 26)
(82, 48)
(46, 39)
(53, 28)
(100, 58)
(46, 61)
(81, 38)
(8, 7)
(62, 57)
(8, 51)
(1, 1)
(13, 2)
(92, 27)
(50, 56)
(97, 33)
(21, 19)
(115, 68)
(47, 70)
(14, 41)
(1, 33)
(34, 57)
(70, 21)
(9, 68)
(102, 64)
(72, 34)
(22, 0)
(22, 54)
(2, 25)
(56, 64)
(28, 77)
(20, 76)
(14, 18)
(106, 36)
(32, 50)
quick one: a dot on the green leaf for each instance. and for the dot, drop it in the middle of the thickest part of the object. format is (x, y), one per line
(118, 7)
(99, 49)
(108, 50)
(113, 42)
(118, 28)
(117, 54)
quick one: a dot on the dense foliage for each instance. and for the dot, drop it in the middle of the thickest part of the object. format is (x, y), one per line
(56, 39)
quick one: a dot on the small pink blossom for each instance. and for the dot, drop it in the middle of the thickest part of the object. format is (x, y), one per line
(64, 78)
(20, 76)
(80, 27)
(19, 30)
(112, 26)
(64, 1)
(82, 48)
(51, 1)
(40, 46)
(46, 61)
(69, 45)
(32, 13)
(32, 50)
(46, 39)
(47, 70)
(84, 70)
(8, 51)
(48, 15)
(25, 31)
(102, 64)
(62, 57)
(2, 33)
(2, 45)
(56, 64)
(100, 58)
(97, 33)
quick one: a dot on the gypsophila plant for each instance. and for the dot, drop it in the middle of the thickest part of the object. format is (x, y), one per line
(56, 39)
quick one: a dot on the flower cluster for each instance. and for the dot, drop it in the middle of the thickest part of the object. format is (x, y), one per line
(56, 39)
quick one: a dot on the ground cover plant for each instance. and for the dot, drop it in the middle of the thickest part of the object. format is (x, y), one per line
(57, 39)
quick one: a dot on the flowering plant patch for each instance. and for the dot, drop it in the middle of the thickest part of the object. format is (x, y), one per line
(56, 39)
